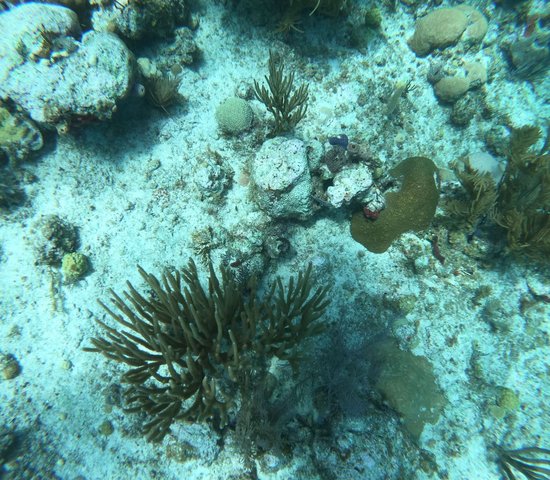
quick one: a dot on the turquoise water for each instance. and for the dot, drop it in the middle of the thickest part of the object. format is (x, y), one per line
(257, 239)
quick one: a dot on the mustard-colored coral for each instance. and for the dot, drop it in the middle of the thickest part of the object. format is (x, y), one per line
(74, 266)
(411, 208)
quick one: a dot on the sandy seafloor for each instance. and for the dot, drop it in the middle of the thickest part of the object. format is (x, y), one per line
(128, 186)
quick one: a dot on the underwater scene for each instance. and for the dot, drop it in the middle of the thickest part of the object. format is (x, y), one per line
(275, 239)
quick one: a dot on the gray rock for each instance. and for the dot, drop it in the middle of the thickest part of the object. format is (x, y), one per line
(54, 76)
(282, 179)
(212, 178)
(530, 57)
(56, 238)
(353, 181)
(30, 32)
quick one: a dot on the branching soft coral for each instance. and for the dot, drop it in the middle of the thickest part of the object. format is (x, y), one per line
(523, 203)
(520, 203)
(188, 347)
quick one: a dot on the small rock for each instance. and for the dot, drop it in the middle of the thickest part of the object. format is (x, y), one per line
(106, 428)
(10, 367)
(181, 452)
(352, 181)
(74, 266)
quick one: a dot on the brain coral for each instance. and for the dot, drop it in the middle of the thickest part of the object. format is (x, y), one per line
(234, 115)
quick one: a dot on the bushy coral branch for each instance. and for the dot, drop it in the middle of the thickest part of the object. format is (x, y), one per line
(187, 346)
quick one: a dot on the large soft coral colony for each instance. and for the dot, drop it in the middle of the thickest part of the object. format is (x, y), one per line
(519, 202)
(188, 348)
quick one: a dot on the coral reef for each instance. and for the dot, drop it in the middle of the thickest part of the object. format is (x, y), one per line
(480, 190)
(220, 360)
(523, 203)
(519, 202)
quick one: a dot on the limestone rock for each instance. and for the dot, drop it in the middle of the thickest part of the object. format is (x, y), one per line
(351, 182)
(55, 76)
(282, 179)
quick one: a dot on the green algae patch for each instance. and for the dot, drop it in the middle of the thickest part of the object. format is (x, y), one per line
(10, 131)
(411, 208)
(407, 384)
(74, 266)
(506, 402)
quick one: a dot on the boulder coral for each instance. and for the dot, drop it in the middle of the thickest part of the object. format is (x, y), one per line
(446, 26)
(451, 88)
